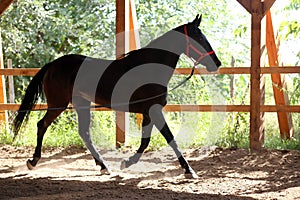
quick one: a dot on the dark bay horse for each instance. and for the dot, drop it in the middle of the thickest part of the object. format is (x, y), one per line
(135, 83)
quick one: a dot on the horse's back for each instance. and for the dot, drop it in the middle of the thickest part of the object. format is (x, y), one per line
(126, 84)
(66, 72)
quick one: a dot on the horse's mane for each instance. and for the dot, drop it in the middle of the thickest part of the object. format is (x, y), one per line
(151, 45)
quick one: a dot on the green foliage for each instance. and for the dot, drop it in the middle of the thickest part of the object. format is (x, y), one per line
(35, 32)
(5, 136)
(292, 28)
(295, 95)
(272, 135)
(62, 133)
(236, 133)
(103, 128)
(275, 142)
(293, 5)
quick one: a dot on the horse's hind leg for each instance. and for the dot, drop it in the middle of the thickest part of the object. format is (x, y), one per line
(146, 135)
(42, 126)
(84, 118)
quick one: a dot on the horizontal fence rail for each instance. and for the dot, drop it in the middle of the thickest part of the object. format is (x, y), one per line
(181, 108)
(183, 71)
(240, 70)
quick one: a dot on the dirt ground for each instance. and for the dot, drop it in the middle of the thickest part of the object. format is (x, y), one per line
(224, 174)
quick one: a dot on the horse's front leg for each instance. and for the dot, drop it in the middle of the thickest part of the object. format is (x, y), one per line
(160, 123)
(147, 126)
(42, 126)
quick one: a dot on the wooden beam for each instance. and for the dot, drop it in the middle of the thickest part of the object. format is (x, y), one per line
(257, 9)
(178, 71)
(132, 28)
(281, 70)
(3, 116)
(120, 28)
(134, 43)
(229, 108)
(19, 71)
(286, 129)
(238, 70)
(120, 51)
(4, 4)
(181, 108)
(126, 40)
(256, 134)
(246, 4)
(267, 4)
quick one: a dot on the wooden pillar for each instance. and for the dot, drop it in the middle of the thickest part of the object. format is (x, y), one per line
(127, 39)
(285, 125)
(4, 4)
(120, 50)
(257, 9)
(3, 115)
(120, 28)
(256, 133)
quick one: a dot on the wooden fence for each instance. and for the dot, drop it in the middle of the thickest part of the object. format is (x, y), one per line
(184, 108)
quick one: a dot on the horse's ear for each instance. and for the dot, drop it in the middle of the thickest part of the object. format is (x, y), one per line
(200, 19)
(197, 20)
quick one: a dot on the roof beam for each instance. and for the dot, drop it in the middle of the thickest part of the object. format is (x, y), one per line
(4, 4)
(251, 6)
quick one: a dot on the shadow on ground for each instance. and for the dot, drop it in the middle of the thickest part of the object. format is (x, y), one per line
(224, 174)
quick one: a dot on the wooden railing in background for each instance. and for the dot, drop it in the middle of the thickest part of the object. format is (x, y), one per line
(183, 108)
(183, 71)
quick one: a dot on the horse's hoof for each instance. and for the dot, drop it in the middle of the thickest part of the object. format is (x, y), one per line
(123, 165)
(29, 165)
(191, 175)
(105, 171)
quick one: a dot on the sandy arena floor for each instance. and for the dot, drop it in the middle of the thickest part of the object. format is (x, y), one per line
(224, 174)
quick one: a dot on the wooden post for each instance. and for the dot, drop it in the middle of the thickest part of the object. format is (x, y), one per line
(286, 128)
(120, 50)
(257, 9)
(133, 42)
(262, 81)
(120, 28)
(256, 134)
(134, 39)
(127, 39)
(3, 115)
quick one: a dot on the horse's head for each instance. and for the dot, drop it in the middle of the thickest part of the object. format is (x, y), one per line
(198, 47)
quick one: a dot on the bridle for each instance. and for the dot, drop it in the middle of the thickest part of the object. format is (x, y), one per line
(189, 46)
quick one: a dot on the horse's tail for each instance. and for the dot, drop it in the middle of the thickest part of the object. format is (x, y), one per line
(33, 92)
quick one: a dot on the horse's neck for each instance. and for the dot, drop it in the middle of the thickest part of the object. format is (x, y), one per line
(172, 42)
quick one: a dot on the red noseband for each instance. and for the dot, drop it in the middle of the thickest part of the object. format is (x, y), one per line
(191, 46)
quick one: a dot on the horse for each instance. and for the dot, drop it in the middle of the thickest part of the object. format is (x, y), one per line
(137, 83)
